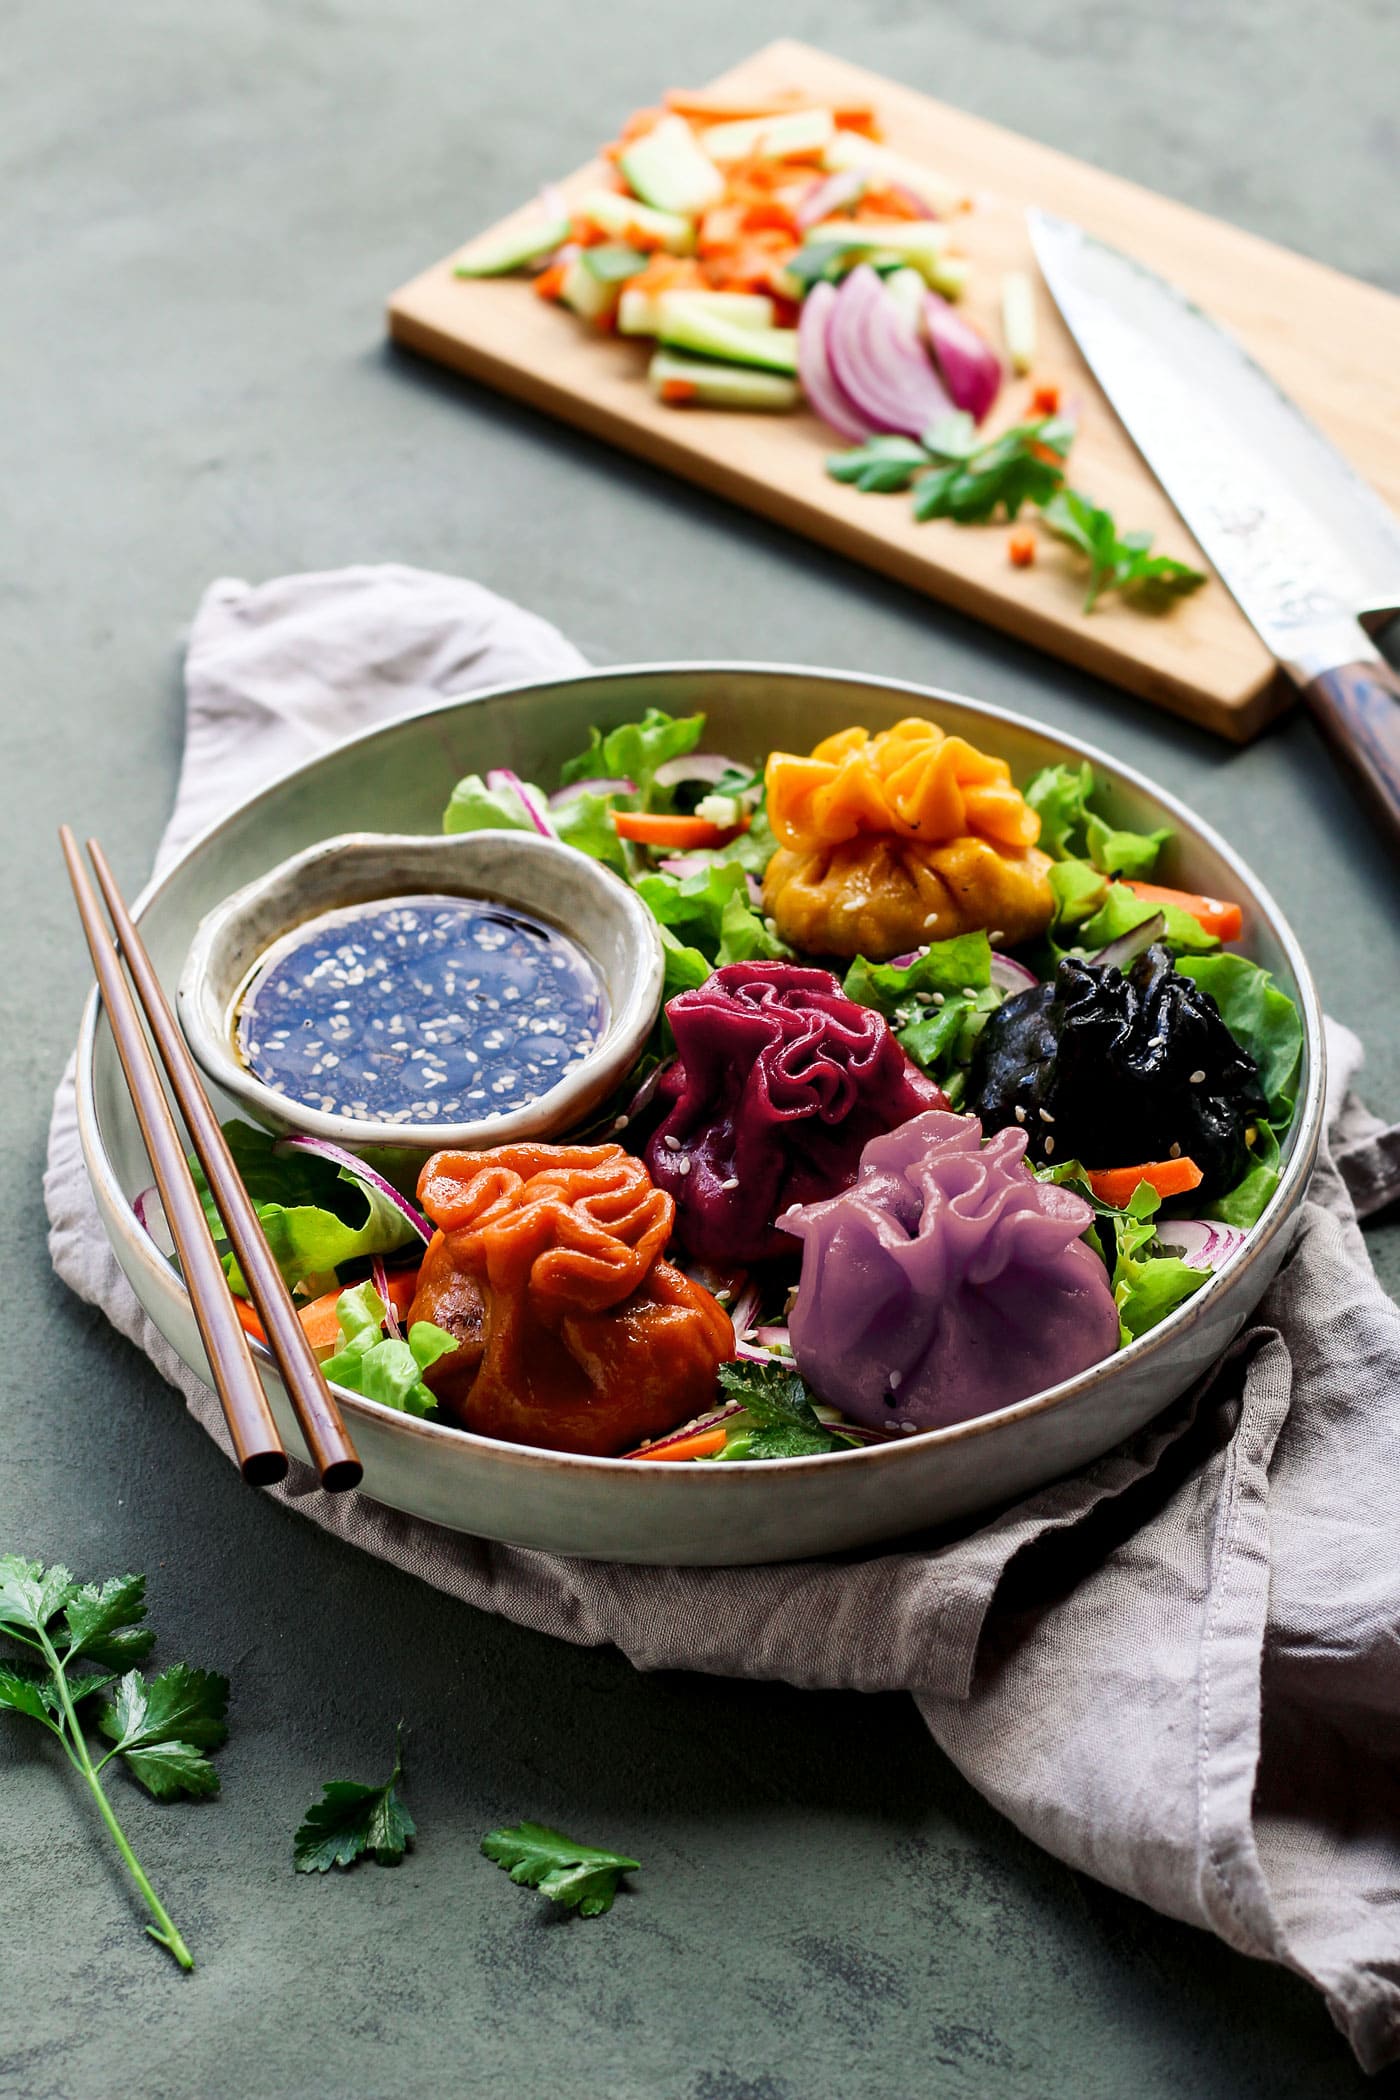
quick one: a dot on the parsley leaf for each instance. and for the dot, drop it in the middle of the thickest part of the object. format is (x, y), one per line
(580, 1877)
(880, 467)
(101, 1621)
(1023, 465)
(1120, 564)
(160, 1728)
(779, 1420)
(351, 1820)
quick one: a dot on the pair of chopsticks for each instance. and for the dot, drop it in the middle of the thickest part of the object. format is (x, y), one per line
(258, 1447)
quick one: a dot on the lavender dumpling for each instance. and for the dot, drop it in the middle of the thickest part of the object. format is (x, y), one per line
(947, 1281)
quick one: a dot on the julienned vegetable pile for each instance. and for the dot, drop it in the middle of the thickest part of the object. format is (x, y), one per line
(776, 250)
(949, 1100)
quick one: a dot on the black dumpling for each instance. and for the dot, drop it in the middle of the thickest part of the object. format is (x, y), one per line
(1104, 1066)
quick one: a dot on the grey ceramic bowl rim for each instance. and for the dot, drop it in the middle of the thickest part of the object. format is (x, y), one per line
(1306, 1135)
(629, 1019)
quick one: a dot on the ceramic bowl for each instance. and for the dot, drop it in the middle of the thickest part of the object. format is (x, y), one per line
(511, 868)
(618, 1509)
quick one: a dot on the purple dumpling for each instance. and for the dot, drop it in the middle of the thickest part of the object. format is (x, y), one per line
(779, 1083)
(947, 1282)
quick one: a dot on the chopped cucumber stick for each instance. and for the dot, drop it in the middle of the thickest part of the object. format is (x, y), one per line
(627, 219)
(589, 292)
(772, 349)
(511, 250)
(697, 382)
(644, 313)
(770, 138)
(1018, 319)
(667, 169)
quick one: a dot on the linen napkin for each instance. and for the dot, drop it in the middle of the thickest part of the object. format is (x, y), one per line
(1178, 1671)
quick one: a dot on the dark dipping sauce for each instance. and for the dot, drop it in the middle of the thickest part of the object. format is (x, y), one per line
(420, 1010)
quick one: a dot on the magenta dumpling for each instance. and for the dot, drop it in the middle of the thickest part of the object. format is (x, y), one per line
(947, 1282)
(779, 1083)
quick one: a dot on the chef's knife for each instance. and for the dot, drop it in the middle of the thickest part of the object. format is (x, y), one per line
(1301, 542)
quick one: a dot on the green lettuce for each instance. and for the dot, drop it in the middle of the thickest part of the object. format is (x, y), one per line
(1071, 830)
(585, 822)
(374, 1364)
(316, 1215)
(937, 1005)
(1262, 1019)
(1146, 1285)
(473, 806)
(1122, 909)
(635, 751)
(1246, 1202)
(710, 911)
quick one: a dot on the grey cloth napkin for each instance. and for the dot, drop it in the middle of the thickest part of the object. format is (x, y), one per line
(1179, 1671)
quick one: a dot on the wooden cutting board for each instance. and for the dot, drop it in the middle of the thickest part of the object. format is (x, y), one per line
(1330, 341)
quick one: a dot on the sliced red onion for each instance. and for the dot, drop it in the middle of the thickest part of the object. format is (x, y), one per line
(819, 383)
(834, 193)
(1136, 941)
(502, 776)
(1200, 1242)
(971, 368)
(687, 1430)
(878, 360)
(708, 766)
(150, 1216)
(599, 786)
(743, 1312)
(1010, 976)
(380, 1277)
(773, 1338)
(322, 1148)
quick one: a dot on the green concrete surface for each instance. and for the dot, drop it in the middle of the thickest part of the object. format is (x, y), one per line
(205, 207)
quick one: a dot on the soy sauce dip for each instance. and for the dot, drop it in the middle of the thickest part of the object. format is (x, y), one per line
(420, 1010)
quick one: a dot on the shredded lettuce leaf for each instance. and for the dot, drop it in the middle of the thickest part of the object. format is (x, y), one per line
(937, 1005)
(635, 750)
(1071, 830)
(473, 806)
(1146, 1285)
(316, 1215)
(1262, 1019)
(378, 1366)
(1246, 1202)
(585, 823)
(1122, 909)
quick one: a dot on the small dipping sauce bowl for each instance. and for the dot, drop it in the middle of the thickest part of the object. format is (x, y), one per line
(566, 982)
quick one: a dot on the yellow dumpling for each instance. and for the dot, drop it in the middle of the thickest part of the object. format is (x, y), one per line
(889, 841)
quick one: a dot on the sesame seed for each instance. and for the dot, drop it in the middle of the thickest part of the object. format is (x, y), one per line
(683, 1165)
(621, 1122)
(672, 1144)
(1020, 1113)
(894, 1380)
(1045, 1116)
(1198, 1079)
(732, 1183)
(969, 991)
(1175, 1152)
(1049, 1147)
(939, 998)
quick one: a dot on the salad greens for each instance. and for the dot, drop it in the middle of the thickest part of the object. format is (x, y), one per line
(316, 1215)
(162, 1728)
(1146, 1281)
(635, 752)
(577, 1877)
(473, 806)
(779, 1420)
(1088, 854)
(1267, 1023)
(380, 1366)
(352, 1821)
(1120, 564)
(937, 1004)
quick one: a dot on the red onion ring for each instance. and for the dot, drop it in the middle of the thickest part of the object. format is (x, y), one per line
(819, 383)
(502, 776)
(970, 368)
(379, 1275)
(833, 193)
(599, 786)
(708, 766)
(1201, 1243)
(1010, 976)
(878, 360)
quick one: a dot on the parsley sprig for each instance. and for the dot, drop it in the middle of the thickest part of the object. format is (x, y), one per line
(352, 1819)
(781, 1420)
(955, 473)
(79, 1641)
(1124, 564)
(580, 1877)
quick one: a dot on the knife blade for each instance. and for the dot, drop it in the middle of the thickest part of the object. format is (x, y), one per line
(1299, 540)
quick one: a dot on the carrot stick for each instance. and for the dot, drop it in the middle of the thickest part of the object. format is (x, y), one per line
(1170, 1177)
(550, 282)
(689, 834)
(699, 1446)
(1214, 914)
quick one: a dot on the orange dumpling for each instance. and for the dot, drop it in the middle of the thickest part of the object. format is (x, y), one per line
(572, 1332)
(890, 841)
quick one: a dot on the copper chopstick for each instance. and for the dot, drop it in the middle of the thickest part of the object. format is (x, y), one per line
(256, 1443)
(332, 1453)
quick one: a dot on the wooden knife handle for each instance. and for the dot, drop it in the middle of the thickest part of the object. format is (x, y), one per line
(1357, 707)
